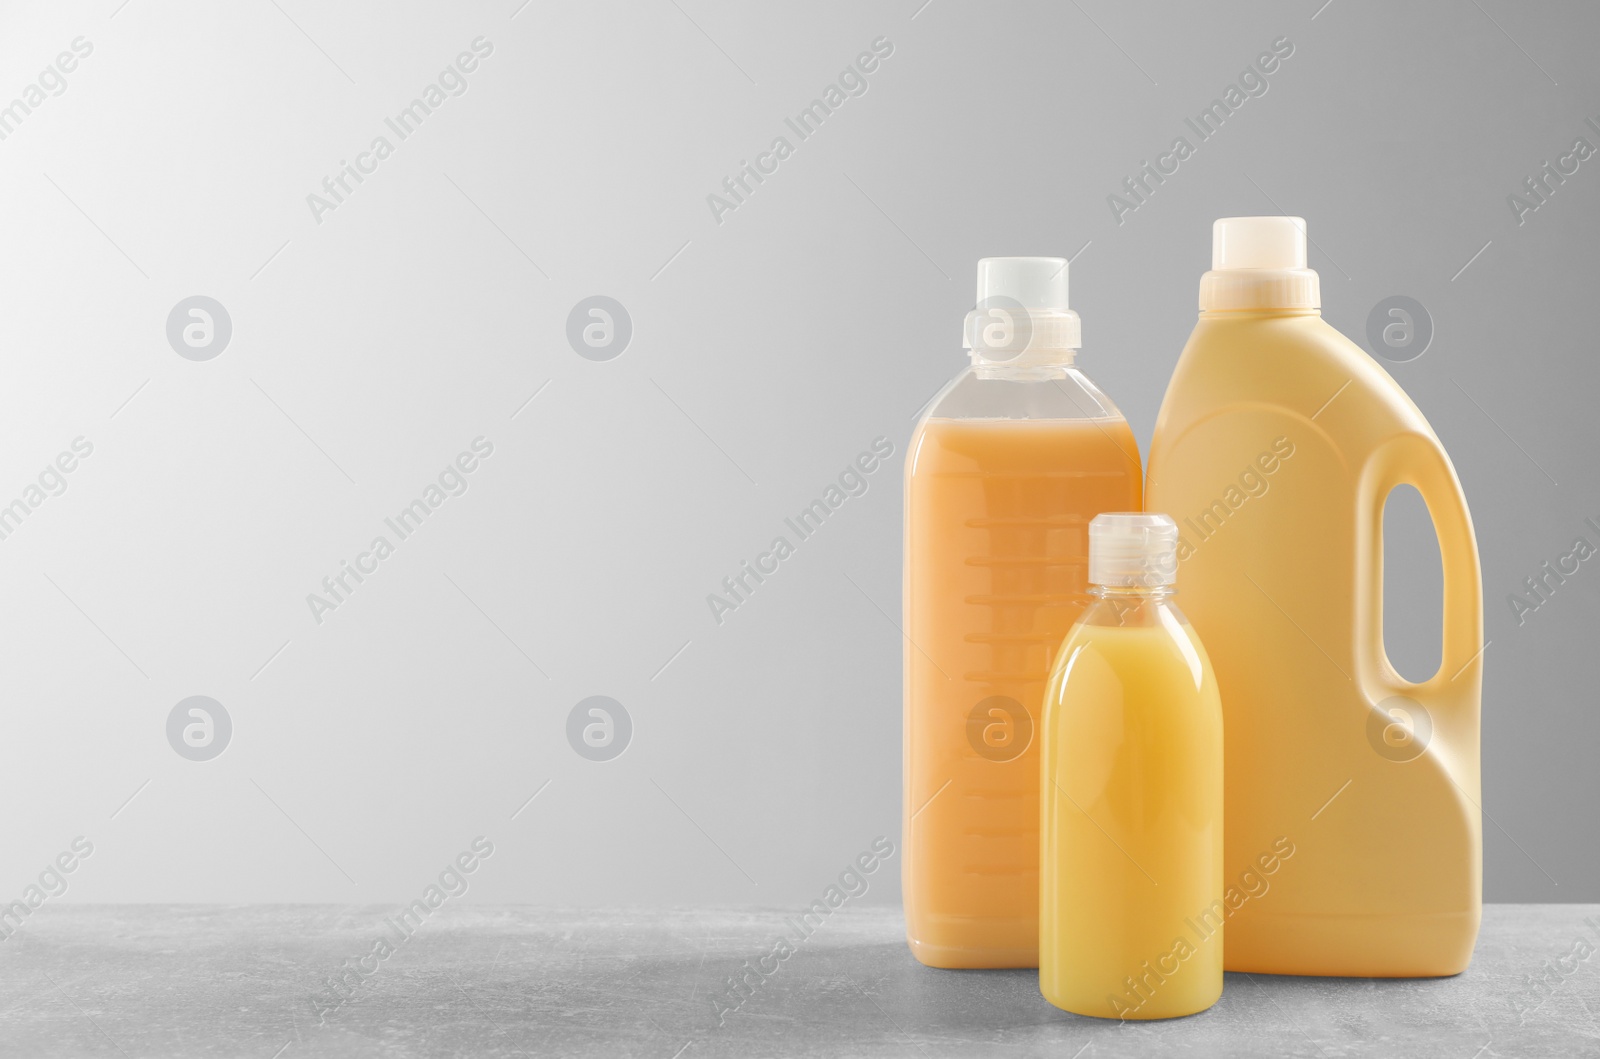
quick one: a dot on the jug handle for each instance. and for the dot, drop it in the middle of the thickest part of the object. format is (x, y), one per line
(1420, 461)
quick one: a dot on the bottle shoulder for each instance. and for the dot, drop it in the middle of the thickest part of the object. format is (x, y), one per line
(1037, 428)
(1061, 394)
(1139, 610)
(1150, 638)
(1296, 368)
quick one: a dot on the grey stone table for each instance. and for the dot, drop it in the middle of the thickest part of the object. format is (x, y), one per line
(492, 981)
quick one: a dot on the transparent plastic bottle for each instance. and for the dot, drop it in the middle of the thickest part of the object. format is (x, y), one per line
(1131, 886)
(1003, 475)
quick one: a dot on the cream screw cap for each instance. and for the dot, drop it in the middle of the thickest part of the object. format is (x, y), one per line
(1259, 263)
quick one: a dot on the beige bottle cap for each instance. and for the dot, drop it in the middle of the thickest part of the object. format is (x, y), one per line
(1259, 263)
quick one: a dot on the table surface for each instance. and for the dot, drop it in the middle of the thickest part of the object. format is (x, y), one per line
(143, 980)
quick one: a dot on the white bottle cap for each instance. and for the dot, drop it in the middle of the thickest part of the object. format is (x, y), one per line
(1133, 549)
(1033, 282)
(1259, 263)
(1022, 316)
(1258, 242)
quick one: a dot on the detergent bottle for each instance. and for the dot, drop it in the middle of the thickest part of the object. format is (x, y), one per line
(1131, 902)
(1353, 835)
(1003, 475)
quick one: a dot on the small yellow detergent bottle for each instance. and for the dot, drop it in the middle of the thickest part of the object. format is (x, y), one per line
(1130, 820)
(1276, 448)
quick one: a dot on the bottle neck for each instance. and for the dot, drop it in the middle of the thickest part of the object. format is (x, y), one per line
(1152, 593)
(1003, 372)
(1241, 314)
(1261, 288)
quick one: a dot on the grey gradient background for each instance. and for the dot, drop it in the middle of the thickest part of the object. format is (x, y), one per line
(768, 350)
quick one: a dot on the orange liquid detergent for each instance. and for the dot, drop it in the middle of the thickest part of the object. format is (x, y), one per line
(997, 516)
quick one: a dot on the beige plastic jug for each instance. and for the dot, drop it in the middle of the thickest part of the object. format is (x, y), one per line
(1275, 450)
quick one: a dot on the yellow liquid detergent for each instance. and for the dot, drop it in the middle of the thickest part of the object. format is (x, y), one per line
(1276, 447)
(1131, 889)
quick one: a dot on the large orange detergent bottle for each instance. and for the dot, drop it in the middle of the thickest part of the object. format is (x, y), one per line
(1276, 448)
(1003, 476)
